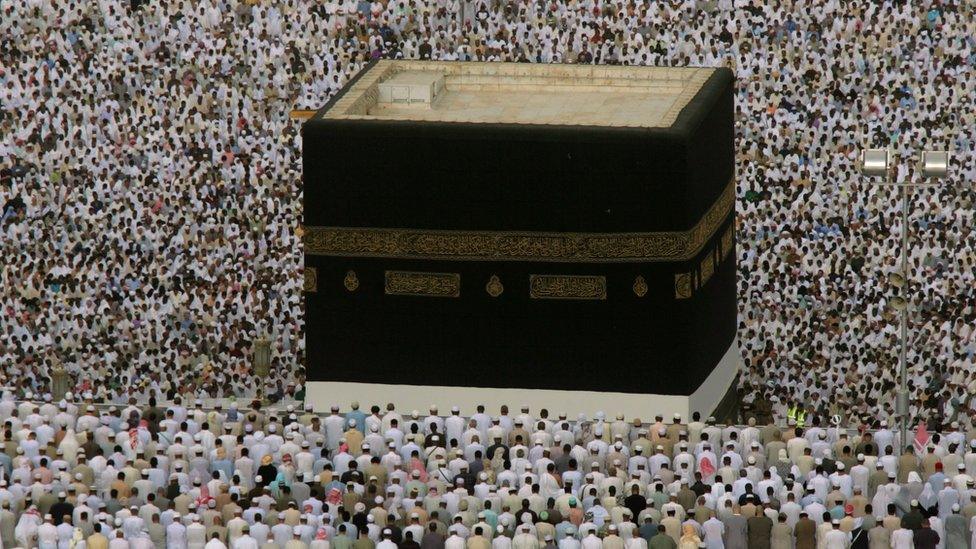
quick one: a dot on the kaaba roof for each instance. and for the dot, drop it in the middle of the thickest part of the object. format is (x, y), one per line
(519, 93)
(394, 150)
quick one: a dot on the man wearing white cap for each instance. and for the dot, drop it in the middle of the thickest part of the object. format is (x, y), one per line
(133, 524)
(960, 480)
(196, 534)
(526, 419)
(472, 433)
(674, 428)
(612, 540)
(861, 475)
(334, 426)
(500, 539)
(454, 427)
(47, 534)
(884, 437)
(956, 529)
(176, 534)
(947, 497)
(374, 440)
(620, 428)
(518, 435)
(414, 526)
(496, 432)
(281, 532)
(525, 539)
(296, 541)
(433, 419)
(836, 538)
(387, 542)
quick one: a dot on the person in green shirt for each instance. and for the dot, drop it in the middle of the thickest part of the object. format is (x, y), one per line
(363, 542)
(341, 541)
(662, 540)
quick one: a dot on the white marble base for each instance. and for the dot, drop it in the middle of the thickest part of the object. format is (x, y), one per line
(323, 394)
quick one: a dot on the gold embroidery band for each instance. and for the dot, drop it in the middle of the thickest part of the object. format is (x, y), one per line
(567, 287)
(521, 246)
(422, 284)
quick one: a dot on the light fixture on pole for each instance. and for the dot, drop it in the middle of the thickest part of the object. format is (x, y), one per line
(933, 165)
(874, 162)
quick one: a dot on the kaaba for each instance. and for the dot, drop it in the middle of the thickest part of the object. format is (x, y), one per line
(495, 230)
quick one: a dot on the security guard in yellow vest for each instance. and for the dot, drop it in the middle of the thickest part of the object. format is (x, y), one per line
(797, 415)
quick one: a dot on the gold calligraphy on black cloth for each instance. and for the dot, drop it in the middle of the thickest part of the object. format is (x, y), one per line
(674, 246)
(520, 246)
(567, 287)
(422, 284)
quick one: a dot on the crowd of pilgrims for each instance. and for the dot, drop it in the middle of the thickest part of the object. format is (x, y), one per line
(77, 476)
(151, 185)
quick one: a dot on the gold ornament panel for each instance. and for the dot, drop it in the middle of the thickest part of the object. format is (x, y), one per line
(640, 286)
(351, 281)
(422, 284)
(494, 286)
(567, 287)
(682, 285)
(311, 282)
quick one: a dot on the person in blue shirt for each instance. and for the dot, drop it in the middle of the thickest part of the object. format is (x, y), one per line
(359, 416)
